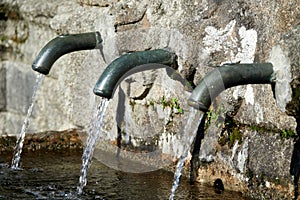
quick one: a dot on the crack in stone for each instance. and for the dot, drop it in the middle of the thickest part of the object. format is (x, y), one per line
(126, 23)
(145, 93)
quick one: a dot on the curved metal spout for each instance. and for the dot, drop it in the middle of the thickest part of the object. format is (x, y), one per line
(128, 64)
(227, 76)
(64, 44)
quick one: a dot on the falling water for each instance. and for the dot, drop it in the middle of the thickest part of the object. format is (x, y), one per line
(189, 134)
(94, 132)
(19, 145)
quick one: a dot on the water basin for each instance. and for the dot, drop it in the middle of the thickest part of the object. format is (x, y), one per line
(54, 175)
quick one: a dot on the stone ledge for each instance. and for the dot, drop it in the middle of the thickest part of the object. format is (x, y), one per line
(46, 141)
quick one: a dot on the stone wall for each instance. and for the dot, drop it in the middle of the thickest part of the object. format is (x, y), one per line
(250, 133)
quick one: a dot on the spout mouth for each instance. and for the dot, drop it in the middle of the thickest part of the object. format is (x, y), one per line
(41, 69)
(62, 45)
(226, 76)
(129, 64)
(103, 93)
(197, 105)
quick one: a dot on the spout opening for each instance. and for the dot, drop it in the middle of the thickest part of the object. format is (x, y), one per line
(40, 69)
(197, 105)
(103, 93)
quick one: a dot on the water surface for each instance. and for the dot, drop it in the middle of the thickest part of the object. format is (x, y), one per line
(55, 176)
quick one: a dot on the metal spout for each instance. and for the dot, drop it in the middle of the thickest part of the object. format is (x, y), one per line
(131, 63)
(226, 76)
(64, 44)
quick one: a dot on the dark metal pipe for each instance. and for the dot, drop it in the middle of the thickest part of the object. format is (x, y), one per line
(64, 44)
(227, 76)
(131, 63)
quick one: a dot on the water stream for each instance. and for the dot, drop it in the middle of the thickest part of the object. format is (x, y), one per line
(93, 136)
(189, 133)
(19, 145)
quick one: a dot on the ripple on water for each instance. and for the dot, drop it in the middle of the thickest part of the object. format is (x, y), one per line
(55, 176)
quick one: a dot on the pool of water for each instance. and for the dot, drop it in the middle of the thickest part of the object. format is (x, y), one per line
(48, 175)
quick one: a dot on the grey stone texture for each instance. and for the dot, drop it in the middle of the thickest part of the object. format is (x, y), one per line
(17, 83)
(204, 34)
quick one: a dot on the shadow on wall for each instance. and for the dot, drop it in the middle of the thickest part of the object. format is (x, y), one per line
(195, 161)
(295, 161)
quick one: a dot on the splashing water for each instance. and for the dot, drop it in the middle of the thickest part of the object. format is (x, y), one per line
(189, 132)
(94, 132)
(20, 142)
(177, 175)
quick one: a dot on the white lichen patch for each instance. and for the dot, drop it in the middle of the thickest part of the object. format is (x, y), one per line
(248, 45)
(259, 113)
(245, 55)
(249, 95)
(242, 157)
(282, 70)
(239, 48)
(268, 184)
(220, 39)
(243, 51)
(238, 91)
(225, 40)
(234, 149)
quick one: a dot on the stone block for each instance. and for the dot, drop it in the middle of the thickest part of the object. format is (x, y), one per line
(17, 87)
(269, 155)
(10, 123)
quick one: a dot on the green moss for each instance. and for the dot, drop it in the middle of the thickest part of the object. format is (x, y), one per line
(231, 132)
(174, 103)
(235, 135)
(260, 129)
(151, 104)
(3, 38)
(163, 102)
(213, 116)
(286, 134)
